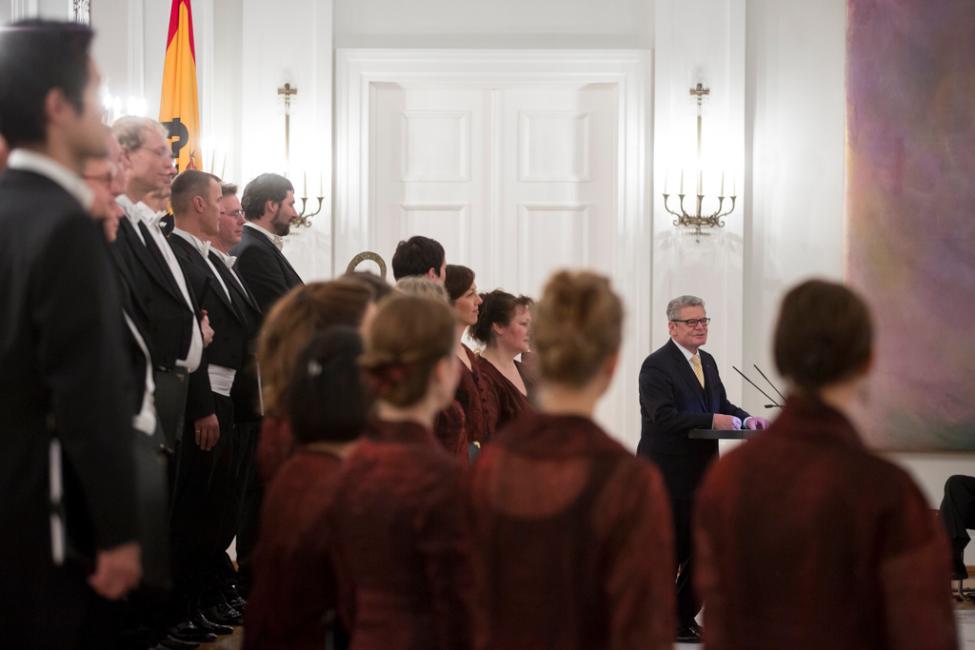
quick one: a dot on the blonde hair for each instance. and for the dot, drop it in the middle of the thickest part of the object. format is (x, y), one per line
(578, 325)
(291, 324)
(416, 285)
(408, 337)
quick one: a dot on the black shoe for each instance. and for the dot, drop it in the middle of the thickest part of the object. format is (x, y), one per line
(223, 614)
(689, 633)
(172, 643)
(201, 621)
(234, 599)
(189, 631)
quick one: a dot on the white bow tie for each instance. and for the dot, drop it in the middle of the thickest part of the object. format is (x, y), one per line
(228, 260)
(156, 218)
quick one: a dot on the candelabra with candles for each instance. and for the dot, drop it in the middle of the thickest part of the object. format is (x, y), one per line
(304, 217)
(698, 219)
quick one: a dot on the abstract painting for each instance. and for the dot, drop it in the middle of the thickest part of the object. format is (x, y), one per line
(910, 240)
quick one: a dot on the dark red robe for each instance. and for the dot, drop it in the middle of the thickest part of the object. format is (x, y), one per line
(275, 445)
(294, 582)
(471, 397)
(503, 401)
(403, 550)
(805, 539)
(450, 429)
(573, 539)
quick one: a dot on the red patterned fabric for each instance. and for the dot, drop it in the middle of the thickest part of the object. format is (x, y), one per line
(503, 401)
(805, 539)
(450, 429)
(573, 539)
(403, 553)
(471, 397)
(274, 446)
(294, 583)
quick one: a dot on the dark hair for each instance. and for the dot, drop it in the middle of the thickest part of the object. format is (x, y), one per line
(498, 308)
(408, 337)
(326, 399)
(264, 188)
(227, 189)
(37, 56)
(380, 288)
(294, 320)
(416, 256)
(578, 325)
(186, 185)
(824, 335)
(458, 279)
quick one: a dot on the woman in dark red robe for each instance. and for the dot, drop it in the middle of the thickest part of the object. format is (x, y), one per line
(459, 282)
(294, 593)
(572, 531)
(403, 549)
(806, 539)
(504, 328)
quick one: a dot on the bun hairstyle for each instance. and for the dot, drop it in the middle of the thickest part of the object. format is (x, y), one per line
(293, 321)
(498, 308)
(824, 335)
(408, 337)
(578, 325)
(457, 280)
(326, 399)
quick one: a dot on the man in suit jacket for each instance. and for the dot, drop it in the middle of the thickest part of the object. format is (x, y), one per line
(207, 495)
(176, 337)
(269, 207)
(61, 369)
(680, 390)
(245, 392)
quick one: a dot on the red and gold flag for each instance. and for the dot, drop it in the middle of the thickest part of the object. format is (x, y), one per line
(179, 108)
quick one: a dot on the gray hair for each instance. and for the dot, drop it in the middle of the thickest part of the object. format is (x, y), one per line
(678, 303)
(130, 131)
(417, 285)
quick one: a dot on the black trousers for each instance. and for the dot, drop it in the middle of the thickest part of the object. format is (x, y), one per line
(203, 519)
(251, 495)
(958, 514)
(688, 603)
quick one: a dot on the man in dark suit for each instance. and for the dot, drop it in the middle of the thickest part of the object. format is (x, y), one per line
(680, 390)
(61, 366)
(245, 393)
(269, 207)
(178, 329)
(208, 485)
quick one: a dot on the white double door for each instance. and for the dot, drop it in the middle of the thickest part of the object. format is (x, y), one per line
(516, 182)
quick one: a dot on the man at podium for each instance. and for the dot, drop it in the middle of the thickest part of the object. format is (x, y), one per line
(680, 390)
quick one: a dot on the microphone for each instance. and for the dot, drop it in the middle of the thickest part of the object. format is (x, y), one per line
(771, 399)
(769, 381)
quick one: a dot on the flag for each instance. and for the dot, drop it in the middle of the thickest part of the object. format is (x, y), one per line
(179, 108)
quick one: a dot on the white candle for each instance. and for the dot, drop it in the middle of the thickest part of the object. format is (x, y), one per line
(321, 184)
(665, 182)
(700, 182)
(304, 192)
(722, 184)
(681, 181)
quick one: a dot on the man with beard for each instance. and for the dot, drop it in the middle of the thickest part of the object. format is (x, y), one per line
(269, 207)
(64, 428)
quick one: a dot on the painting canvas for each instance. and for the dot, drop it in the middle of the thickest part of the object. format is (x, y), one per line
(911, 214)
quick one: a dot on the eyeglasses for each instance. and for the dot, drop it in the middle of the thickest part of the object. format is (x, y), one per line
(160, 152)
(693, 322)
(232, 213)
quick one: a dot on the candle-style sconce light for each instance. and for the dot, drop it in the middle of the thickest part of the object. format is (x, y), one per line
(698, 218)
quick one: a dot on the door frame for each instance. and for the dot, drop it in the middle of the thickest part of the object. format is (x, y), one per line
(357, 70)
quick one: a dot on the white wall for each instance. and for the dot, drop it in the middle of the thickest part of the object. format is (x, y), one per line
(568, 24)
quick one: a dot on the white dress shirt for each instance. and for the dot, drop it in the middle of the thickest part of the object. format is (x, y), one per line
(221, 377)
(277, 240)
(145, 419)
(49, 168)
(140, 212)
